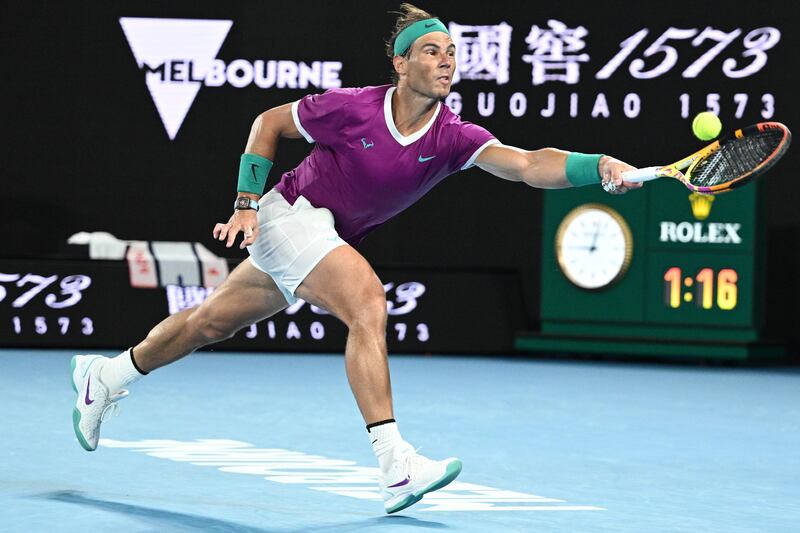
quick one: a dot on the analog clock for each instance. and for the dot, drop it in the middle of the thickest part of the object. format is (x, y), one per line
(593, 246)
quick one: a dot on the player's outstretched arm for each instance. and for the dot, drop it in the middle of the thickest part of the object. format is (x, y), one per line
(267, 129)
(546, 168)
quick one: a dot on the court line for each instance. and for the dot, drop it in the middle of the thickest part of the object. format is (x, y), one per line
(335, 476)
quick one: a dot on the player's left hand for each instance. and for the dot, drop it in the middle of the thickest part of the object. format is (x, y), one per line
(611, 170)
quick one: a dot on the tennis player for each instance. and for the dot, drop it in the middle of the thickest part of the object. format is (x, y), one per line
(376, 151)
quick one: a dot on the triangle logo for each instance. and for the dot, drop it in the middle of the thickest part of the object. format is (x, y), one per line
(175, 56)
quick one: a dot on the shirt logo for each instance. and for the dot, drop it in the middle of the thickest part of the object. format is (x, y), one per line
(423, 159)
(366, 144)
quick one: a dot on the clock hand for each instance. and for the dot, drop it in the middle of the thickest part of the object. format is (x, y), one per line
(593, 246)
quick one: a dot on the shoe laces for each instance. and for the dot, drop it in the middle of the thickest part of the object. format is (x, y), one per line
(113, 407)
(411, 457)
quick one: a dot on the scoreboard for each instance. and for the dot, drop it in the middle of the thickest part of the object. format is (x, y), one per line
(661, 271)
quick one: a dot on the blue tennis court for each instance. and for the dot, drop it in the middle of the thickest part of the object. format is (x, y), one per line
(234, 442)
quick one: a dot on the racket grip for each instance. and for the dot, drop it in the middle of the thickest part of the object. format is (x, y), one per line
(641, 174)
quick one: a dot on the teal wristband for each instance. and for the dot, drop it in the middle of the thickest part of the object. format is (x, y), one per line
(582, 169)
(253, 170)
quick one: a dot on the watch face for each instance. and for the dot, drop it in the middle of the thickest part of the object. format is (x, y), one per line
(593, 246)
(243, 203)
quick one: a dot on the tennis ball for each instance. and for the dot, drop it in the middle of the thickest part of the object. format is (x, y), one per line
(706, 126)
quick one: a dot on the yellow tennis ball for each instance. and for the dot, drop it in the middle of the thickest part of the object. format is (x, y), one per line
(706, 126)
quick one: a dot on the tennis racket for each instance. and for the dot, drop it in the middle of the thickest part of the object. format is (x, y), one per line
(726, 163)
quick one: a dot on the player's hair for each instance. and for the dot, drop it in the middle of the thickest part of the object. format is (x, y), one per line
(408, 15)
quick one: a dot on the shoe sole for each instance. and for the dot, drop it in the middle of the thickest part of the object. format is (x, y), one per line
(452, 471)
(76, 415)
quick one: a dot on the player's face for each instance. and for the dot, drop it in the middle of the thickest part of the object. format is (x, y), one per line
(431, 65)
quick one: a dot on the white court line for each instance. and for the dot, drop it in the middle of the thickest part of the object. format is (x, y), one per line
(335, 476)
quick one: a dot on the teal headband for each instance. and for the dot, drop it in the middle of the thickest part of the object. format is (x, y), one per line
(411, 33)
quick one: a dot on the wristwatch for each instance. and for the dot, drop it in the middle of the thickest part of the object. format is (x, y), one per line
(245, 203)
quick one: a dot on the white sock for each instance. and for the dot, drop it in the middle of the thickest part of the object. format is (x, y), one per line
(384, 439)
(119, 371)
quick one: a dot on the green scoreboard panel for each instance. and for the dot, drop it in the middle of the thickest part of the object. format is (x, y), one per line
(661, 271)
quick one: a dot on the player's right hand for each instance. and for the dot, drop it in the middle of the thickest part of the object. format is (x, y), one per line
(611, 170)
(244, 220)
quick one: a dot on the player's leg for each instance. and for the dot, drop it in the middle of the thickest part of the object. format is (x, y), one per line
(245, 297)
(344, 283)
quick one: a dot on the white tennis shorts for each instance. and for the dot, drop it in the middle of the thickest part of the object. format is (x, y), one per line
(292, 240)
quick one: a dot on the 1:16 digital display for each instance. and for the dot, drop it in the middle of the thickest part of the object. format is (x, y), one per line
(710, 288)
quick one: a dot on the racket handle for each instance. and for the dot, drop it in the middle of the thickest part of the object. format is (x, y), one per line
(641, 174)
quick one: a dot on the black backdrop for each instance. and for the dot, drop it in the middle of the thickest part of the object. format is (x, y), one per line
(85, 149)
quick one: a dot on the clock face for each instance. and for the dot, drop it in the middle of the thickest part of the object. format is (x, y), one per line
(593, 246)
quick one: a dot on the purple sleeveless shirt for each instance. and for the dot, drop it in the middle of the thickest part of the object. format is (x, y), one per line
(362, 168)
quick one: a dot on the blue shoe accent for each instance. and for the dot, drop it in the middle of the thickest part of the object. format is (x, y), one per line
(453, 470)
(76, 419)
(409, 500)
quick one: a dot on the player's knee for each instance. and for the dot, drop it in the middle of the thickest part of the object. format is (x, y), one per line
(210, 327)
(371, 312)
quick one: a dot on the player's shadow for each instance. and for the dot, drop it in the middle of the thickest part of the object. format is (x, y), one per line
(388, 523)
(173, 521)
(408, 521)
(165, 520)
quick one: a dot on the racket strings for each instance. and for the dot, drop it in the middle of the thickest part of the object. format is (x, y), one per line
(735, 158)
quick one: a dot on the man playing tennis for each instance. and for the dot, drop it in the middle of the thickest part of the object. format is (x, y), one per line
(377, 151)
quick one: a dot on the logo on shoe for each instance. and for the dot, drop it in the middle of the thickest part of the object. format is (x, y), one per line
(404, 482)
(88, 400)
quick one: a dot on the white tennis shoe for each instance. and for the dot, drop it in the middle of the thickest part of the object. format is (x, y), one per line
(411, 476)
(93, 402)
